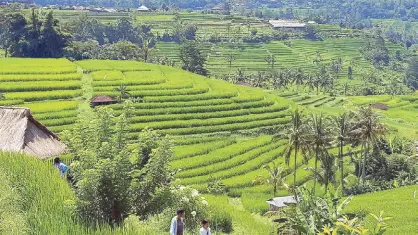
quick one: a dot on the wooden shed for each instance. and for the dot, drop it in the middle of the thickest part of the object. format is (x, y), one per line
(101, 100)
(20, 132)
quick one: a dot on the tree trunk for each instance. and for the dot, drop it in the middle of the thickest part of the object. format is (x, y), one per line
(295, 168)
(116, 213)
(316, 169)
(326, 184)
(341, 156)
(363, 176)
(274, 190)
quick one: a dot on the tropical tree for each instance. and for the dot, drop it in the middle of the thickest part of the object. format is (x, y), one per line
(276, 178)
(258, 80)
(296, 135)
(123, 92)
(240, 75)
(328, 170)
(337, 66)
(230, 58)
(270, 59)
(192, 58)
(298, 78)
(367, 132)
(146, 46)
(343, 126)
(310, 81)
(319, 138)
(345, 87)
(350, 73)
(312, 213)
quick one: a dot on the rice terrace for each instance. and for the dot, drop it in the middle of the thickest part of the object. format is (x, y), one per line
(208, 117)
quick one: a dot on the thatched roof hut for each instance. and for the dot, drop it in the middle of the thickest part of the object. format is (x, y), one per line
(379, 106)
(20, 132)
(102, 100)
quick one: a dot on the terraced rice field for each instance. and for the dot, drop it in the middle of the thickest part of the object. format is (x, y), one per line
(400, 117)
(180, 103)
(295, 53)
(208, 118)
(50, 87)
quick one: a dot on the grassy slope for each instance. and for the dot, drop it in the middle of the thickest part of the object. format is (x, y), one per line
(244, 222)
(44, 197)
(397, 203)
(12, 219)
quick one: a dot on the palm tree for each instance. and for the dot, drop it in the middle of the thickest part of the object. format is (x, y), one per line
(319, 138)
(298, 78)
(328, 169)
(270, 59)
(147, 47)
(230, 58)
(276, 178)
(367, 132)
(296, 135)
(123, 92)
(343, 125)
(310, 81)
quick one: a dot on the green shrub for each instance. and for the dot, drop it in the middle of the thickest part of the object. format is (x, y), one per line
(221, 221)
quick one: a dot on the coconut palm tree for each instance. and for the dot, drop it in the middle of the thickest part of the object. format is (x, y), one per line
(296, 135)
(319, 138)
(270, 59)
(230, 58)
(367, 132)
(123, 92)
(299, 78)
(326, 174)
(343, 126)
(276, 178)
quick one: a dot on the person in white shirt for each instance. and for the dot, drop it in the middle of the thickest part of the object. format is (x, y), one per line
(205, 230)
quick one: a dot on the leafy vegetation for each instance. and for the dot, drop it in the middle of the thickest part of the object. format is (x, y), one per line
(171, 132)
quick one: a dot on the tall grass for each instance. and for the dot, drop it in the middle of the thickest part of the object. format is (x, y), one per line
(45, 198)
(12, 218)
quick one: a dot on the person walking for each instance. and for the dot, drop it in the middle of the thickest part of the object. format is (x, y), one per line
(177, 223)
(205, 230)
(63, 169)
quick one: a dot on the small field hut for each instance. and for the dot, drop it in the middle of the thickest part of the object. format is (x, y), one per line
(20, 132)
(279, 202)
(286, 24)
(379, 106)
(143, 9)
(101, 100)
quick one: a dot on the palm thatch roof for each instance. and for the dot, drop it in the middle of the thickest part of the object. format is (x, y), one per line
(20, 132)
(102, 99)
(379, 106)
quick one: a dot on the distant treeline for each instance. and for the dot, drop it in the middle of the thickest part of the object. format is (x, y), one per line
(360, 9)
